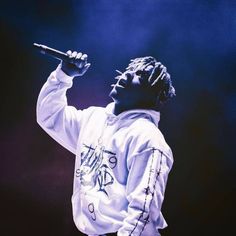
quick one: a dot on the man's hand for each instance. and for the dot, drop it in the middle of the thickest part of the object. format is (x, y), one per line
(77, 65)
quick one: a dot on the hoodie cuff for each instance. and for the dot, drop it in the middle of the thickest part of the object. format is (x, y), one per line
(62, 76)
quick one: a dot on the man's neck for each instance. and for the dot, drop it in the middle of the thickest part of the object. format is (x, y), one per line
(118, 108)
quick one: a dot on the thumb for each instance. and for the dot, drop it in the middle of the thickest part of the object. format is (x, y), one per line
(87, 66)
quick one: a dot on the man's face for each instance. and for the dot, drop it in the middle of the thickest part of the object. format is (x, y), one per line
(132, 89)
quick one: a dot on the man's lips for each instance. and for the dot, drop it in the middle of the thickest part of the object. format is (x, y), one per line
(122, 82)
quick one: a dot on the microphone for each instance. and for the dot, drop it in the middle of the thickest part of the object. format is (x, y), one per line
(52, 52)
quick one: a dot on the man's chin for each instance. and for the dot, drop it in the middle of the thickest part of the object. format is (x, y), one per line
(113, 94)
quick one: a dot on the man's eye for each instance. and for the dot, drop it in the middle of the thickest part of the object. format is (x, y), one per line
(128, 75)
(139, 72)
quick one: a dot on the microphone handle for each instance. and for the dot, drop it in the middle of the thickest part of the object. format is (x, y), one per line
(52, 52)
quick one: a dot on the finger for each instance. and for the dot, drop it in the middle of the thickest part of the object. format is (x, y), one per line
(77, 59)
(68, 52)
(79, 56)
(84, 57)
(85, 68)
(79, 63)
(74, 54)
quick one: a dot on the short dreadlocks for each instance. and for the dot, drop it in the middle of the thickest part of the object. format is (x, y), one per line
(163, 85)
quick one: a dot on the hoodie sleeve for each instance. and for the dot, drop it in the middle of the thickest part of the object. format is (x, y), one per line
(146, 183)
(60, 121)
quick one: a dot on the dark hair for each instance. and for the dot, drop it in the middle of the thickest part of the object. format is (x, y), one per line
(163, 85)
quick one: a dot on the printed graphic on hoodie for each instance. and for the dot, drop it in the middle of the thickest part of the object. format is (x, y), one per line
(96, 165)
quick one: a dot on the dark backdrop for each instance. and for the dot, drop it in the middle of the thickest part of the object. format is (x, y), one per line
(196, 39)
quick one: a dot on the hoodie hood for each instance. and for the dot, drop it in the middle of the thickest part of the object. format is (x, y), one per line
(152, 115)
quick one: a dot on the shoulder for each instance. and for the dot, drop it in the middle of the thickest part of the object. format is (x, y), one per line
(92, 114)
(94, 110)
(145, 129)
(146, 135)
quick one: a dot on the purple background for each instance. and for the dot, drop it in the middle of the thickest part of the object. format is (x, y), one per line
(196, 39)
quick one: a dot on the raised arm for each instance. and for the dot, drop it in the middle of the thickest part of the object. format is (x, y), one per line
(59, 120)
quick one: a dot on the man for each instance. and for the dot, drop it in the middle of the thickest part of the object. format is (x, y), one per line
(122, 160)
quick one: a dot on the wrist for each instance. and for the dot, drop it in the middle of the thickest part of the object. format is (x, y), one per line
(62, 76)
(65, 68)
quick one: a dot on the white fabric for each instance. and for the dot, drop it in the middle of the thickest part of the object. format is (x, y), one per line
(122, 162)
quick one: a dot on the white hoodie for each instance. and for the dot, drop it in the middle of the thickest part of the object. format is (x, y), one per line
(122, 162)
